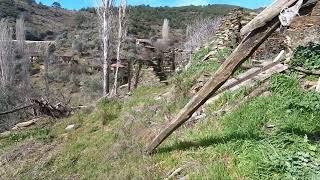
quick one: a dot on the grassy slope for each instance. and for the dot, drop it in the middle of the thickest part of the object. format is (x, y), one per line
(111, 140)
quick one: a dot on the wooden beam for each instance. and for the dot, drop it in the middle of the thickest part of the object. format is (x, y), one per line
(271, 12)
(245, 49)
(305, 71)
(266, 15)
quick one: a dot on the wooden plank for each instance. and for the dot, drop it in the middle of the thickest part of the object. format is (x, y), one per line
(250, 82)
(266, 15)
(245, 49)
(251, 73)
(269, 13)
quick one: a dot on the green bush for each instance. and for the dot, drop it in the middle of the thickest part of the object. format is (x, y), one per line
(307, 57)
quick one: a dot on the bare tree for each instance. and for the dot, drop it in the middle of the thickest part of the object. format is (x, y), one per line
(105, 14)
(198, 33)
(122, 32)
(163, 43)
(22, 53)
(20, 36)
(165, 30)
(6, 54)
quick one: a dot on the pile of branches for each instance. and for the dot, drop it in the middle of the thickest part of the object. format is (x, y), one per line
(43, 107)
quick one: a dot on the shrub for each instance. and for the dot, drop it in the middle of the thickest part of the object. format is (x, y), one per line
(307, 57)
(80, 19)
(199, 32)
(77, 45)
(56, 5)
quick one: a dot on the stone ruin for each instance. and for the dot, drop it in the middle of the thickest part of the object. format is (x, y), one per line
(304, 29)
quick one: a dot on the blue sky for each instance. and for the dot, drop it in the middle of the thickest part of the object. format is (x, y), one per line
(77, 4)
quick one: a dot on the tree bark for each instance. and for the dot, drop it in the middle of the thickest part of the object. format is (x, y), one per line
(129, 74)
(137, 76)
(121, 35)
(245, 49)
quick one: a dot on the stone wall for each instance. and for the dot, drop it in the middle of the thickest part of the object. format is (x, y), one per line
(304, 29)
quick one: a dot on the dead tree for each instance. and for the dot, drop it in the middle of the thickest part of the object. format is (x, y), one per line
(6, 55)
(22, 54)
(198, 32)
(165, 30)
(122, 32)
(20, 36)
(259, 32)
(105, 14)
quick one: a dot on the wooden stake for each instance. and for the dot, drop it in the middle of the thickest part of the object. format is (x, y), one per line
(245, 49)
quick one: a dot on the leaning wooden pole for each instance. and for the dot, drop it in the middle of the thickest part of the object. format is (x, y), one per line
(239, 55)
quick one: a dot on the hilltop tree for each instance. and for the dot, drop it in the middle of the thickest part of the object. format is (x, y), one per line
(56, 4)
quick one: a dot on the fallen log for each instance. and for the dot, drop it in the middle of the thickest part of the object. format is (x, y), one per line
(251, 73)
(15, 110)
(305, 71)
(255, 93)
(245, 49)
(25, 124)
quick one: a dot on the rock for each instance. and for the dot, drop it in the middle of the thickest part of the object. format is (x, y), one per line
(270, 126)
(309, 84)
(5, 134)
(71, 127)
(253, 14)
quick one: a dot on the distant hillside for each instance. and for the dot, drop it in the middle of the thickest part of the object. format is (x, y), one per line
(45, 22)
(144, 16)
(42, 22)
(146, 21)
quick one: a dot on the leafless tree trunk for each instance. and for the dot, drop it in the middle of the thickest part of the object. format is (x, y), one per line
(122, 32)
(46, 70)
(137, 75)
(129, 74)
(22, 53)
(165, 30)
(104, 11)
(6, 55)
(20, 35)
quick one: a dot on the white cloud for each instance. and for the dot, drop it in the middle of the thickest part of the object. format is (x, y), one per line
(193, 2)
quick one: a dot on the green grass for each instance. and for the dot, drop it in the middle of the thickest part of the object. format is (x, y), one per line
(41, 134)
(274, 137)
